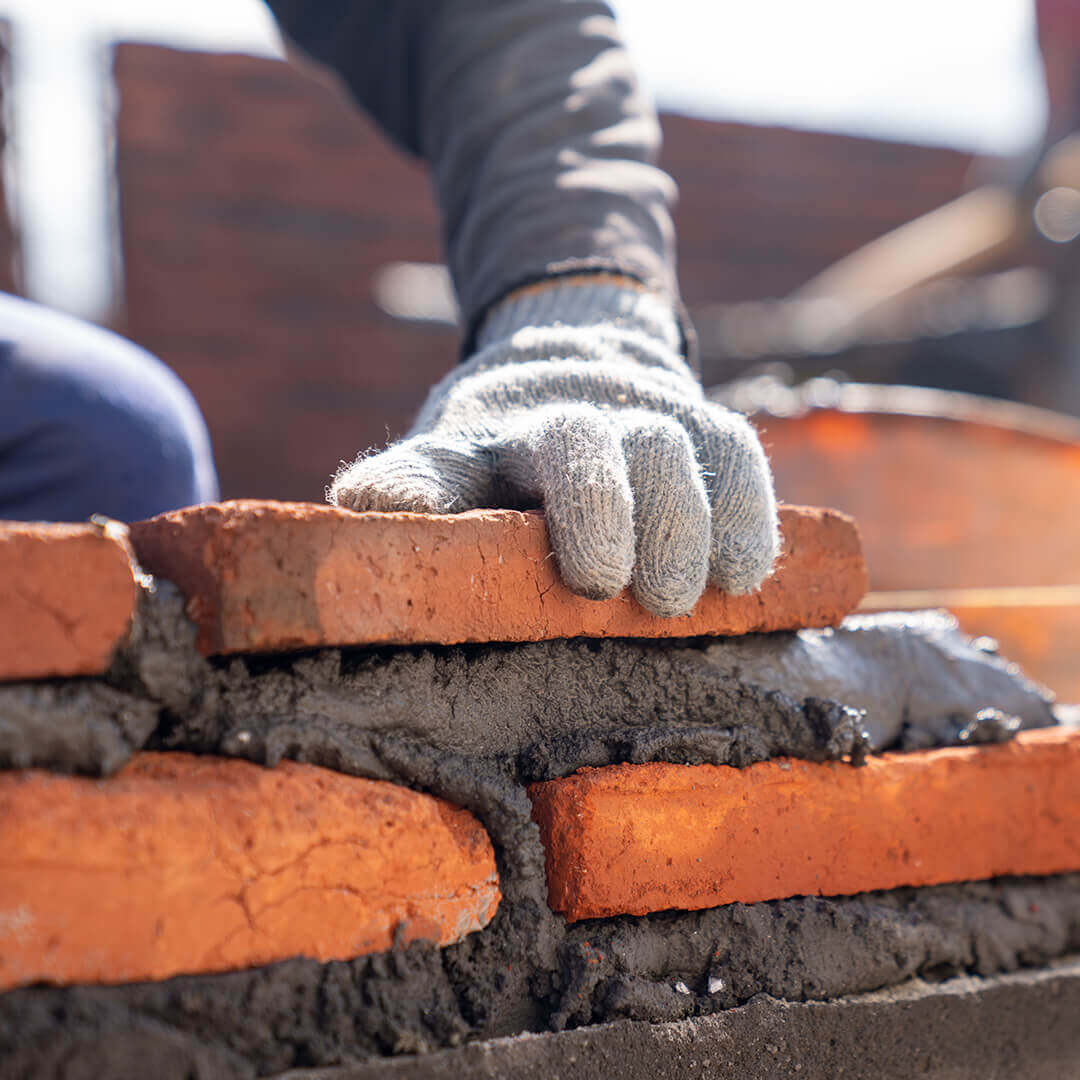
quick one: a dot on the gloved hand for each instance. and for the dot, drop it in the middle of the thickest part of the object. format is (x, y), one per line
(577, 398)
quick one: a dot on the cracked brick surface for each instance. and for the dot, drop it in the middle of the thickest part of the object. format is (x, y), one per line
(265, 576)
(67, 596)
(197, 864)
(634, 839)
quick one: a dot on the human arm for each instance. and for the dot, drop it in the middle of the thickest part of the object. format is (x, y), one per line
(560, 244)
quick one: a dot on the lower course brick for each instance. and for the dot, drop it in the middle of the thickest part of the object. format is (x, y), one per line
(633, 839)
(268, 576)
(67, 596)
(182, 864)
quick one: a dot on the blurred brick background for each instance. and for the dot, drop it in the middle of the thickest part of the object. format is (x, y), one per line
(256, 204)
(763, 209)
(9, 247)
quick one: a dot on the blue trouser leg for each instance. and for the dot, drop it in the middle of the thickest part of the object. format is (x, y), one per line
(91, 424)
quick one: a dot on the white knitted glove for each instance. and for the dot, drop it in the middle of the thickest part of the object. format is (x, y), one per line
(577, 398)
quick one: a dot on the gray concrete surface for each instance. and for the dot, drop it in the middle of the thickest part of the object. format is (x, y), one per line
(1023, 1026)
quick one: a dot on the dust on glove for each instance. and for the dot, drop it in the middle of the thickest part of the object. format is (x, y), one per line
(578, 400)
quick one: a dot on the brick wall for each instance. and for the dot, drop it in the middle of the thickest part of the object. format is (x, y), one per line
(256, 204)
(763, 209)
(9, 245)
(1059, 43)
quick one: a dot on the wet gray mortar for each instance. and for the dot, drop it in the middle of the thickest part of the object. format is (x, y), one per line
(474, 725)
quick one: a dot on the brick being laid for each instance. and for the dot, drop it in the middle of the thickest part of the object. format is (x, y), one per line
(185, 864)
(634, 839)
(67, 598)
(266, 576)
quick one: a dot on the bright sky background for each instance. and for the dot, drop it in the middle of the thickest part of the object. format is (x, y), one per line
(959, 72)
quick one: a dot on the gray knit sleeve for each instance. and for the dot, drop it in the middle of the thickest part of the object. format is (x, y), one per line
(541, 144)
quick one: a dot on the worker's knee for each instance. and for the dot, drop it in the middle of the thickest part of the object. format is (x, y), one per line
(90, 424)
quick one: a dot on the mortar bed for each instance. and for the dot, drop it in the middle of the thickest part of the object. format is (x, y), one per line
(474, 725)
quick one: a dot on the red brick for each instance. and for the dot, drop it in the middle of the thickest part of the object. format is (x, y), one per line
(263, 576)
(631, 839)
(191, 864)
(67, 596)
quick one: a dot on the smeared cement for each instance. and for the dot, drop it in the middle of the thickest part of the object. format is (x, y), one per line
(93, 726)
(474, 724)
(76, 725)
(904, 681)
(917, 678)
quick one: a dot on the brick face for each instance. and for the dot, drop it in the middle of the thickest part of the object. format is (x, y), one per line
(266, 576)
(256, 204)
(67, 598)
(184, 863)
(633, 839)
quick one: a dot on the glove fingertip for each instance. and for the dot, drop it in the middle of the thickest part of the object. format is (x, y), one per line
(580, 474)
(421, 476)
(742, 564)
(597, 569)
(669, 604)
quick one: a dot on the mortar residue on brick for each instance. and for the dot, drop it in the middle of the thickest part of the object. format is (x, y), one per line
(473, 725)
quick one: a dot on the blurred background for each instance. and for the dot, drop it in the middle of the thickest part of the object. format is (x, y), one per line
(884, 193)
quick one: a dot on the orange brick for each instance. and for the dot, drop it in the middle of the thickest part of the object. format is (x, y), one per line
(631, 839)
(265, 576)
(181, 863)
(67, 596)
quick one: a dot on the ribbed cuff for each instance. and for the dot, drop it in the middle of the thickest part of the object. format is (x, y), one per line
(590, 300)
